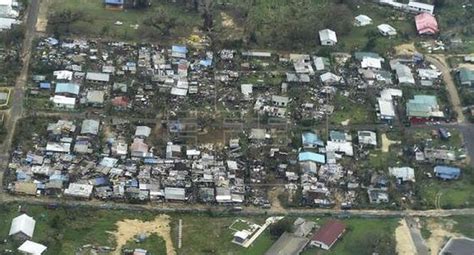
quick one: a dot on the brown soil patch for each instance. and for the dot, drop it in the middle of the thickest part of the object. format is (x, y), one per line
(405, 49)
(128, 229)
(440, 232)
(273, 197)
(405, 244)
(42, 21)
(227, 20)
(386, 143)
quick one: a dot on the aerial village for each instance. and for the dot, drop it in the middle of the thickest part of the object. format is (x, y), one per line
(189, 124)
(127, 159)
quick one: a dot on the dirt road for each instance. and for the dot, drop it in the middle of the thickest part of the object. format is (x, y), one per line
(440, 62)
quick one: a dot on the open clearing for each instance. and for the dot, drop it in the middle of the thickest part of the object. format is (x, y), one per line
(128, 229)
(386, 143)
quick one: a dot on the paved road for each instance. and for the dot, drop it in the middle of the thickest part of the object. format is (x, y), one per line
(415, 233)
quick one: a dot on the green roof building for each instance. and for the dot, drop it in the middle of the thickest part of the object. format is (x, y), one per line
(424, 106)
(466, 77)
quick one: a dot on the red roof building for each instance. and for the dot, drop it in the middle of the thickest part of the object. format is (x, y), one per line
(120, 102)
(328, 234)
(426, 24)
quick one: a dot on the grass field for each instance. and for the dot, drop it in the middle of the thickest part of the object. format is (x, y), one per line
(356, 113)
(99, 22)
(454, 194)
(63, 231)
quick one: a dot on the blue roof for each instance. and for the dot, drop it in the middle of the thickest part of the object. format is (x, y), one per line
(206, 62)
(59, 177)
(70, 88)
(179, 49)
(311, 139)
(311, 156)
(118, 2)
(45, 85)
(21, 176)
(447, 172)
(150, 161)
(101, 181)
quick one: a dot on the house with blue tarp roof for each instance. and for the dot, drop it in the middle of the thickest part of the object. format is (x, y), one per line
(447, 172)
(311, 140)
(312, 156)
(45, 85)
(67, 88)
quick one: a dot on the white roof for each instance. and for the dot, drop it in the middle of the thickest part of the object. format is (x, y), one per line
(363, 18)
(33, 248)
(179, 92)
(23, 224)
(242, 234)
(386, 108)
(143, 131)
(6, 2)
(422, 6)
(404, 74)
(389, 94)
(343, 147)
(246, 89)
(319, 63)
(58, 147)
(327, 35)
(104, 77)
(387, 29)
(330, 77)
(79, 190)
(63, 75)
(369, 62)
(57, 99)
(404, 173)
(6, 23)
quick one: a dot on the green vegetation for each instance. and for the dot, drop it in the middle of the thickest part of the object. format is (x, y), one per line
(65, 230)
(348, 109)
(90, 18)
(434, 193)
(464, 225)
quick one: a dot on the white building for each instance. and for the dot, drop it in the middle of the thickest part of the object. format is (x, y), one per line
(403, 173)
(327, 37)
(32, 248)
(64, 102)
(22, 227)
(362, 20)
(79, 190)
(420, 7)
(387, 30)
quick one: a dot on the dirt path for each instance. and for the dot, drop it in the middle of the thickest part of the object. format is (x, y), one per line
(128, 229)
(42, 22)
(386, 143)
(405, 49)
(405, 244)
(440, 62)
(273, 197)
